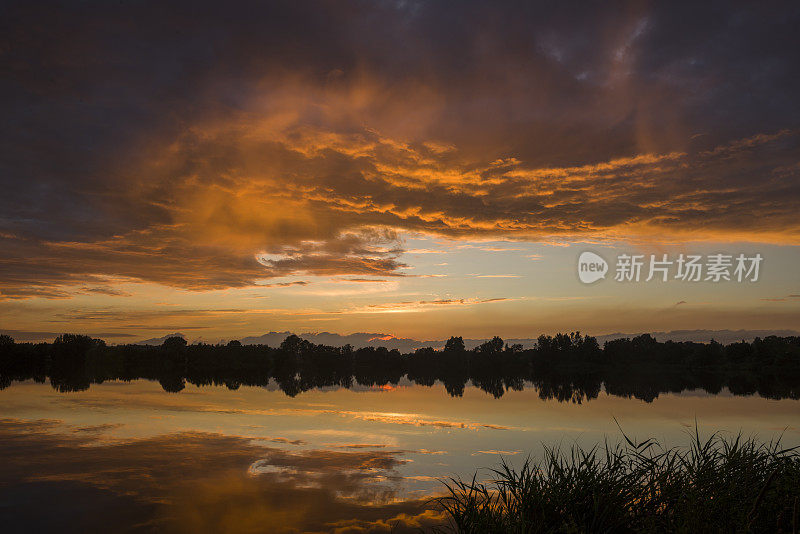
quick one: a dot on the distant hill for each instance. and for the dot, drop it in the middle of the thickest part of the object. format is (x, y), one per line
(357, 340)
(364, 339)
(158, 340)
(28, 336)
(704, 336)
(376, 339)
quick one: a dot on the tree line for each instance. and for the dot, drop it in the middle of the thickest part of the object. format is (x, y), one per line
(566, 367)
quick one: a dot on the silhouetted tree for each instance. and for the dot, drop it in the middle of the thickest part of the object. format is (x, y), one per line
(566, 367)
(174, 344)
(69, 355)
(492, 346)
(294, 345)
(454, 344)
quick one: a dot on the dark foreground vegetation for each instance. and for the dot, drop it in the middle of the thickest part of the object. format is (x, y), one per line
(716, 485)
(565, 367)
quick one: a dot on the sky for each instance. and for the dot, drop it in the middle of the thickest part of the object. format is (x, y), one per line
(415, 169)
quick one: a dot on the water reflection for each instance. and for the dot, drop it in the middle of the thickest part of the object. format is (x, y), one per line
(255, 460)
(194, 482)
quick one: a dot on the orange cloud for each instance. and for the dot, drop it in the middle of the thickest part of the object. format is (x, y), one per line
(319, 156)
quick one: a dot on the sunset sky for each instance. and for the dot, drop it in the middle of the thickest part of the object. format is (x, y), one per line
(418, 169)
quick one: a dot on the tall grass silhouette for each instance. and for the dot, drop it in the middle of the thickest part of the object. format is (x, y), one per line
(719, 484)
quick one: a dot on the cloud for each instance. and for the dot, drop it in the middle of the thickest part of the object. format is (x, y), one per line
(289, 441)
(108, 291)
(419, 305)
(424, 251)
(358, 252)
(243, 148)
(285, 284)
(361, 446)
(788, 298)
(361, 280)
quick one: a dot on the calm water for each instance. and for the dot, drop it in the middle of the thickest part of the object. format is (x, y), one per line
(254, 460)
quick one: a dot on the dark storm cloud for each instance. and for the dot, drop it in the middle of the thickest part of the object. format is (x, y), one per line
(176, 142)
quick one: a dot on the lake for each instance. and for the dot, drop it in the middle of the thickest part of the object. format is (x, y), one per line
(130, 456)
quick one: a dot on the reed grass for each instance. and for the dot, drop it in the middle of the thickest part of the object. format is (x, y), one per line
(719, 484)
